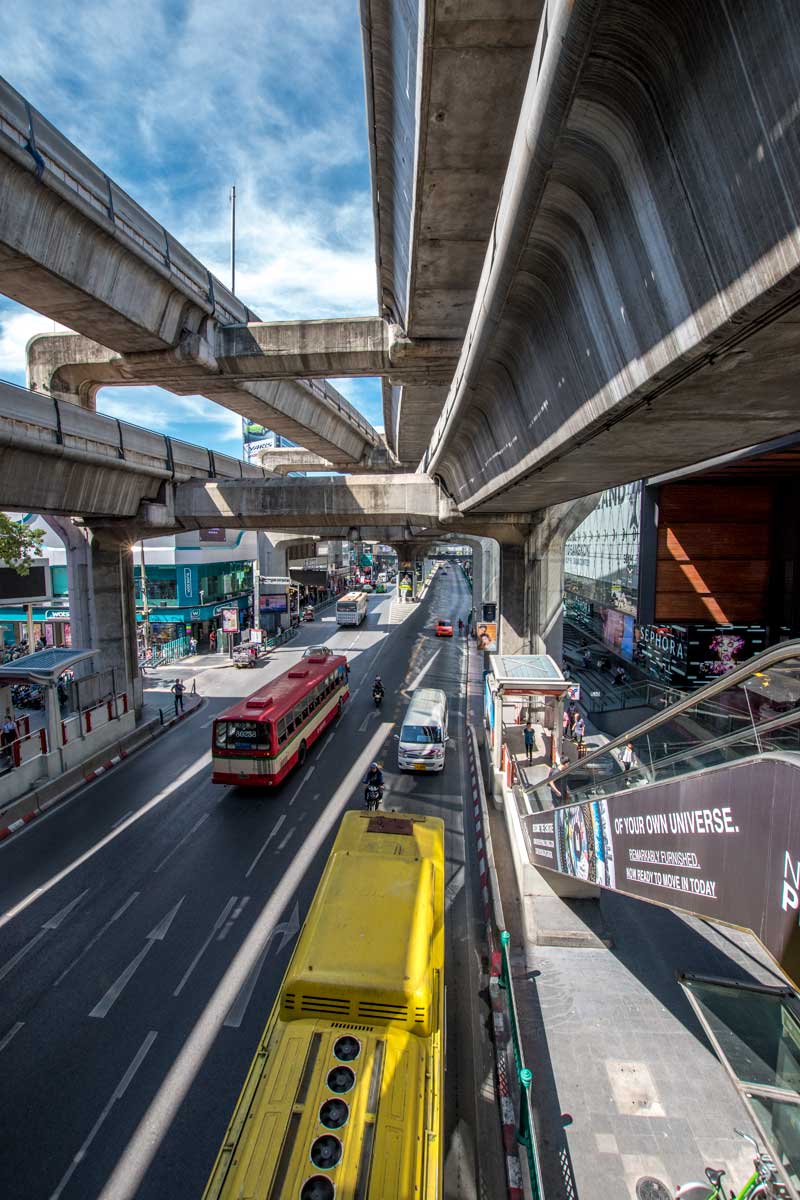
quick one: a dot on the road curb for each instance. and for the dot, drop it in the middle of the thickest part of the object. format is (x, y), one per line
(48, 796)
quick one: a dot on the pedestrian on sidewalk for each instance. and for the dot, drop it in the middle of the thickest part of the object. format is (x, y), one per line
(565, 723)
(177, 689)
(530, 741)
(8, 735)
(212, 641)
(579, 729)
(587, 659)
(627, 757)
(193, 645)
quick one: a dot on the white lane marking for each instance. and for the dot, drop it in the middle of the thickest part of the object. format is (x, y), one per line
(176, 785)
(287, 930)
(126, 1178)
(304, 780)
(155, 935)
(369, 717)
(117, 1094)
(121, 819)
(220, 921)
(178, 845)
(53, 923)
(286, 839)
(275, 829)
(97, 936)
(11, 1033)
(210, 721)
(416, 682)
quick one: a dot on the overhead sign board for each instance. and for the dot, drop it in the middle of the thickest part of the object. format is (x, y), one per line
(275, 581)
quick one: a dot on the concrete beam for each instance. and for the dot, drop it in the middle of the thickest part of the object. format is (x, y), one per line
(631, 312)
(354, 346)
(312, 412)
(286, 460)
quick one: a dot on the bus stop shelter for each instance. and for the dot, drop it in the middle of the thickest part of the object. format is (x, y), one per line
(45, 668)
(520, 688)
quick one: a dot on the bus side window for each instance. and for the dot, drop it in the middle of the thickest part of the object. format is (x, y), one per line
(289, 718)
(298, 716)
(281, 730)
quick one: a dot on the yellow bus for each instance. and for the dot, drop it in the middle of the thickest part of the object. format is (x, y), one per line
(344, 1096)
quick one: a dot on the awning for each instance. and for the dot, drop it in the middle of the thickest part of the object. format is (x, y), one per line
(528, 673)
(44, 666)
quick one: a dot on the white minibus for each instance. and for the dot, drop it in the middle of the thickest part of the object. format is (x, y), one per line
(423, 734)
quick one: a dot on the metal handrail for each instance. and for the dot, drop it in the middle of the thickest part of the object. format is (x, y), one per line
(760, 662)
(526, 1130)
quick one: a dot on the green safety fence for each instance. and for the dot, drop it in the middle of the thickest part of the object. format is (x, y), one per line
(526, 1131)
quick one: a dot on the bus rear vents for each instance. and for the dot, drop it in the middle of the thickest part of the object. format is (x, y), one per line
(382, 1012)
(255, 702)
(329, 1006)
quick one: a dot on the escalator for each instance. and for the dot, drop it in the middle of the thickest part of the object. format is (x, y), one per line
(705, 819)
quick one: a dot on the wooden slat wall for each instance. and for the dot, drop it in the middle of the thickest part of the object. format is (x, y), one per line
(713, 552)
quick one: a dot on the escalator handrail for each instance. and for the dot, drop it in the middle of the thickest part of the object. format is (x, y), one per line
(760, 662)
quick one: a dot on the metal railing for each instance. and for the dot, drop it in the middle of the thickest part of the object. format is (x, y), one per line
(526, 1130)
(771, 678)
(163, 653)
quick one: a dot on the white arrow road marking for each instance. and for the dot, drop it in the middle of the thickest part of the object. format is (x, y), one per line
(220, 921)
(288, 930)
(97, 936)
(53, 923)
(11, 1033)
(156, 935)
(178, 845)
(286, 839)
(275, 829)
(117, 1094)
(369, 717)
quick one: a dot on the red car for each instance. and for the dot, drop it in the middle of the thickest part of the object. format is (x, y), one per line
(444, 628)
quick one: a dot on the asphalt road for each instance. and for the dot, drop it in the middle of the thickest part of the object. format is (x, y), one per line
(148, 923)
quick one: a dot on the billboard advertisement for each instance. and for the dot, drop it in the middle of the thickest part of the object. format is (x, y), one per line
(724, 845)
(486, 634)
(230, 620)
(601, 558)
(273, 602)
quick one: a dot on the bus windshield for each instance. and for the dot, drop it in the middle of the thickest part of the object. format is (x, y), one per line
(242, 735)
(421, 734)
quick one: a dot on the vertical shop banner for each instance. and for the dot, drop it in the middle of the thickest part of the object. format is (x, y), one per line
(724, 845)
(230, 620)
(486, 636)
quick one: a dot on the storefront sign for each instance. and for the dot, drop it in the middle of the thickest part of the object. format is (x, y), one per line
(187, 580)
(725, 846)
(275, 581)
(56, 614)
(230, 620)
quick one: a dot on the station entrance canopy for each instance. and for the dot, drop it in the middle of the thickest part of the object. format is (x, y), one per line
(44, 667)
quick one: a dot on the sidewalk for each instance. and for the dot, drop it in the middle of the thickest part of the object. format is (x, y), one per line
(625, 1085)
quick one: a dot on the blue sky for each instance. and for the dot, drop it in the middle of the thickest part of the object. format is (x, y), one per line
(176, 100)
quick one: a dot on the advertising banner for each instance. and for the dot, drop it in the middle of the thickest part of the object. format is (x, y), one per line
(275, 602)
(230, 620)
(724, 845)
(486, 634)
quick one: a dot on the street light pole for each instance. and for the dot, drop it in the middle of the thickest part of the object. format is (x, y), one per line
(233, 238)
(145, 606)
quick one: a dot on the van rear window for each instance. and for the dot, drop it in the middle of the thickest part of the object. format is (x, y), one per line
(421, 734)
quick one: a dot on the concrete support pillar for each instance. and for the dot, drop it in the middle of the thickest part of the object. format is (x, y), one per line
(512, 632)
(546, 579)
(53, 726)
(115, 611)
(82, 617)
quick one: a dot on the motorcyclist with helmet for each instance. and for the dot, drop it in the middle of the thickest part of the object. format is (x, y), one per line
(373, 787)
(377, 690)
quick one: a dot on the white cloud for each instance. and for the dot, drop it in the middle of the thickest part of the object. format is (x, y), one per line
(17, 327)
(180, 416)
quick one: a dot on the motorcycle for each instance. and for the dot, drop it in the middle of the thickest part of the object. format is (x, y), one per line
(377, 696)
(373, 796)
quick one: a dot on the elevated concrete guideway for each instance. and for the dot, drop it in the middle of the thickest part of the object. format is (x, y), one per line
(637, 310)
(444, 85)
(77, 248)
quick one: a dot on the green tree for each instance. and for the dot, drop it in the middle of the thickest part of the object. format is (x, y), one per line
(18, 544)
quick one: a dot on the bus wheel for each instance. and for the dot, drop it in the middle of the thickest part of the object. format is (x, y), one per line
(301, 754)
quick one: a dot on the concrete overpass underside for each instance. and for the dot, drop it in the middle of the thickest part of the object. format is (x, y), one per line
(637, 311)
(444, 88)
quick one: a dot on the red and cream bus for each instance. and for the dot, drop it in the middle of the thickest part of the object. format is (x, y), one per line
(256, 742)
